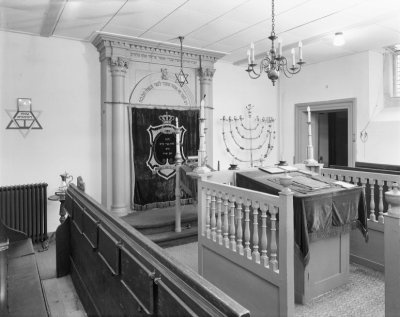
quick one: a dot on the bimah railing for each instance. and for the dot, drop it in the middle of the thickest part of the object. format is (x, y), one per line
(243, 249)
(374, 186)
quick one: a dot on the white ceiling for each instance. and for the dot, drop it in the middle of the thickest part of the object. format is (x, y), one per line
(221, 25)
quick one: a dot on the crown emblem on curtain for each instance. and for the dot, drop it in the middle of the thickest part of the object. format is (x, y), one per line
(166, 118)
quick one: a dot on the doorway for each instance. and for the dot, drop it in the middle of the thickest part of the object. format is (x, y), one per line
(333, 132)
(332, 136)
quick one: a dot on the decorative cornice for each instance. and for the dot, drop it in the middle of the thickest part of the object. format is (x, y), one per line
(141, 50)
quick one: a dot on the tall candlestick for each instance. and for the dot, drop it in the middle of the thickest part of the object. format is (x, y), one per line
(309, 114)
(202, 109)
(293, 57)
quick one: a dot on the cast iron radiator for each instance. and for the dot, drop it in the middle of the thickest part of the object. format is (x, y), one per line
(24, 208)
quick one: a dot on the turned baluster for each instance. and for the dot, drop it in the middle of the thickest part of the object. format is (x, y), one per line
(247, 229)
(213, 218)
(372, 216)
(219, 218)
(363, 182)
(274, 261)
(232, 225)
(226, 223)
(380, 205)
(256, 254)
(239, 230)
(264, 239)
(208, 202)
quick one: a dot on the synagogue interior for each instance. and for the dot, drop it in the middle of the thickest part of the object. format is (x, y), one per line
(198, 158)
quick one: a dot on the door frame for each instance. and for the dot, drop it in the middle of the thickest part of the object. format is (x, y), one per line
(349, 104)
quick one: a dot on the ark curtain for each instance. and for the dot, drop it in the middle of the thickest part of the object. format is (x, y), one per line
(151, 190)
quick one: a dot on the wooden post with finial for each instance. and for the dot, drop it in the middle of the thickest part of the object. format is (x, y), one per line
(392, 252)
(310, 162)
(202, 154)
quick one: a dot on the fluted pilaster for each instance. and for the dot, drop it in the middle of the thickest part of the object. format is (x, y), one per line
(118, 67)
(206, 88)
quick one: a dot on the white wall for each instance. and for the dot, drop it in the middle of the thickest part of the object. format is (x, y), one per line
(62, 77)
(233, 90)
(383, 125)
(355, 76)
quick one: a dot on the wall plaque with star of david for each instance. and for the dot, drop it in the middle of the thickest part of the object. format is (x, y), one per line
(24, 119)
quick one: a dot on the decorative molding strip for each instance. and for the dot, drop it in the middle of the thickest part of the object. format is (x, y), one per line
(141, 50)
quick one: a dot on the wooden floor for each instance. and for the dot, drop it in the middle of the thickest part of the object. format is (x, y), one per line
(62, 299)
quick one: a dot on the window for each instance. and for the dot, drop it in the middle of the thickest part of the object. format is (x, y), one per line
(396, 74)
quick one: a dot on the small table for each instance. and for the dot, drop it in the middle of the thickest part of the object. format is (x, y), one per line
(322, 222)
(60, 196)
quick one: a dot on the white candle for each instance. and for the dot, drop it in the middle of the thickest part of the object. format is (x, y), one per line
(309, 114)
(252, 51)
(279, 47)
(300, 50)
(248, 57)
(293, 57)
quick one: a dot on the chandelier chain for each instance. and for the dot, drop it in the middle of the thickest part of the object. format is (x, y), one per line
(273, 18)
(181, 38)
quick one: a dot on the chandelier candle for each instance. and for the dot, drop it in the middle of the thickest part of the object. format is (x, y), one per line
(300, 50)
(293, 57)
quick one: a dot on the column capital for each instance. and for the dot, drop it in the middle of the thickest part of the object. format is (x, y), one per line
(206, 73)
(119, 61)
(118, 65)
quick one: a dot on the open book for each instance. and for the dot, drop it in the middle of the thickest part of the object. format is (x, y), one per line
(278, 169)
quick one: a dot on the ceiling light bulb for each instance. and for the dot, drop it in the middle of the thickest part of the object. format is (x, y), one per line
(339, 40)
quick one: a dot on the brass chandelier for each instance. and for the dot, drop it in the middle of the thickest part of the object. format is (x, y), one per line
(274, 62)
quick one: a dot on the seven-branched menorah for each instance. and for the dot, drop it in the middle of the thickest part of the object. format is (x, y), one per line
(255, 140)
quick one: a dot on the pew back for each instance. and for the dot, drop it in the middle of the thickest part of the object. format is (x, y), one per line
(118, 271)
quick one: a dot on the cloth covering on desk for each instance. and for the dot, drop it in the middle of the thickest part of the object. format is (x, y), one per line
(188, 183)
(317, 215)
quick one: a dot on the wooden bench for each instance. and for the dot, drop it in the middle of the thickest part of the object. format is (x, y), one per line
(21, 291)
(117, 271)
